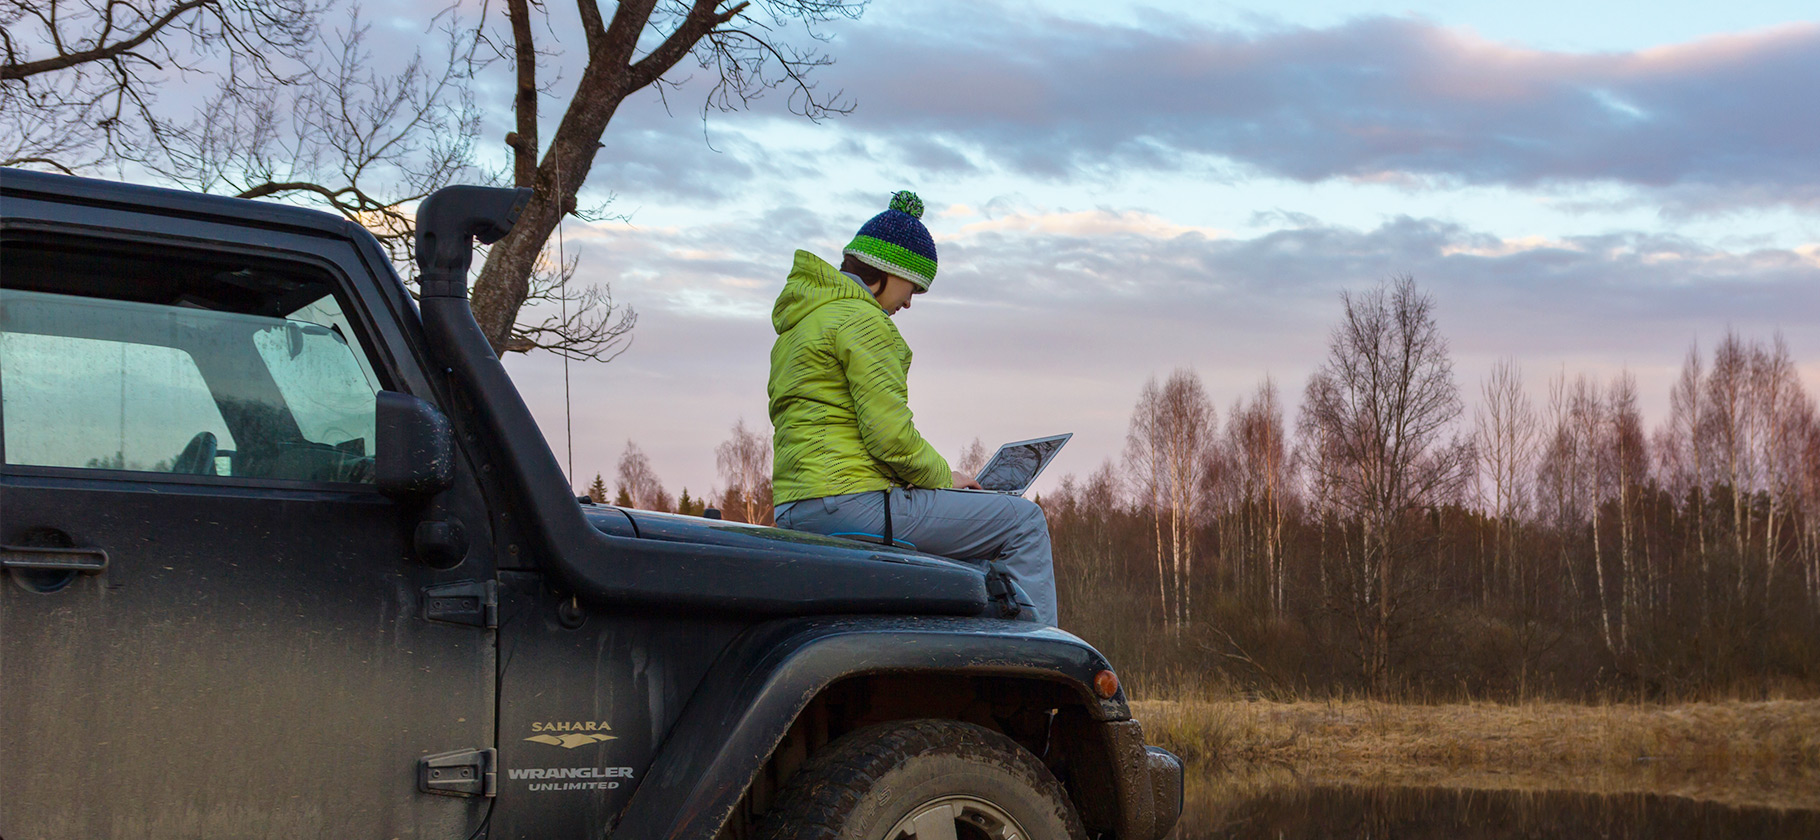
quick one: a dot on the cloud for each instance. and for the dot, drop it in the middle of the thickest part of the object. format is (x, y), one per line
(1089, 223)
(1050, 321)
(1712, 124)
(984, 89)
(1046, 319)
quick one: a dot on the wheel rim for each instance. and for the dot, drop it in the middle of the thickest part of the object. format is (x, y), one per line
(957, 818)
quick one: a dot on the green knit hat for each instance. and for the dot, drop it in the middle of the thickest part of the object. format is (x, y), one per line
(896, 242)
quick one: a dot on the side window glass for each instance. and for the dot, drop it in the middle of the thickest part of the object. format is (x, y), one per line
(83, 402)
(331, 395)
(122, 385)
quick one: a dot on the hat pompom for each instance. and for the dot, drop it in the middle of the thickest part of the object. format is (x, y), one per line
(907, 202)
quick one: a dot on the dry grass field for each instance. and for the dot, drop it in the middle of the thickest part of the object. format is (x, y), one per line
(1743, 753)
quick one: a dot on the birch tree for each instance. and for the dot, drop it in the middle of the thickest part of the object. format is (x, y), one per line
(638, 482)
(1171, 428)
(1806, 449)
(1682, 454)
(1629, 456)
(1728, 429)
(745, 464)
(1258, 450)
(1504, 439)
(1383, 405)
(1776, 397)
(972, 458)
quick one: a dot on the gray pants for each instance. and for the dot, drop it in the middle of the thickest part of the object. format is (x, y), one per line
(949, 523)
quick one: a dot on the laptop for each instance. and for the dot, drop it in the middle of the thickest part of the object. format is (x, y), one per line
(1015, 466)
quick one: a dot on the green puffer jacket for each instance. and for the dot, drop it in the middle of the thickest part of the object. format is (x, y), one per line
(840, 396)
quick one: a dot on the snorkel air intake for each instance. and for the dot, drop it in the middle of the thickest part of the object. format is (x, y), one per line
(448, 222)
(602, 568)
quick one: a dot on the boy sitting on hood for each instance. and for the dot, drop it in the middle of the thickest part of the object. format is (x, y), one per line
(849, 461)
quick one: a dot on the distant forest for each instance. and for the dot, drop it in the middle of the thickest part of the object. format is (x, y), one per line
(1386, 543)
(1389, 542)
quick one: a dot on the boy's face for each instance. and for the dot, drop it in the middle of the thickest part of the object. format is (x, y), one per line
(895, 294)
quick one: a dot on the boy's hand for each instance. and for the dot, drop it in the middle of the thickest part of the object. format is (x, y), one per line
(963, 481)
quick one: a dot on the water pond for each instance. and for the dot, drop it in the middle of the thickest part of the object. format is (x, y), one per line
(1307, 811)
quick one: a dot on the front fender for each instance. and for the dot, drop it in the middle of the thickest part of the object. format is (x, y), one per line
(768, 675)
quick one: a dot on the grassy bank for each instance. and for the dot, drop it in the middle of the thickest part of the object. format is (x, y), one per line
(1761, 753)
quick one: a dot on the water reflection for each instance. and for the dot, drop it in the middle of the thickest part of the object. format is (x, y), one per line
(1291, 811)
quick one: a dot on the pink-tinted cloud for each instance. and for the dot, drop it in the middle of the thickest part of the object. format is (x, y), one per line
(1723, 121)
(1052, 323)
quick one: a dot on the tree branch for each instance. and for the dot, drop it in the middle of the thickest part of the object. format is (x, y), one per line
(20, 161)
(524, 101)
(613, 44)
(102, 52)
(701, 20)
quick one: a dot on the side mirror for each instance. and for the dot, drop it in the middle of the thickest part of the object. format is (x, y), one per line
(416, 456)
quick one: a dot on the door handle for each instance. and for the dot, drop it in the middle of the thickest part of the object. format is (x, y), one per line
(87, 561)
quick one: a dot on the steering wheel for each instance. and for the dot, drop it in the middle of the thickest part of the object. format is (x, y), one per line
(198, 457)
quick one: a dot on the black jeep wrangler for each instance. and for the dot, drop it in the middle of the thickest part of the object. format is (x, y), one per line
(286, 556)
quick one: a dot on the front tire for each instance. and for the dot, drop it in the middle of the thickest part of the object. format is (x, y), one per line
(923, 780)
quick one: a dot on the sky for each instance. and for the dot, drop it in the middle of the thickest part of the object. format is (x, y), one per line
(1118, 190)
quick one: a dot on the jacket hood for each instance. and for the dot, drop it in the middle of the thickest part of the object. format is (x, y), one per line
(813, 283)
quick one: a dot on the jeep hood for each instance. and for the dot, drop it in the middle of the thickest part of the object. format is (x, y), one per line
(836, 560)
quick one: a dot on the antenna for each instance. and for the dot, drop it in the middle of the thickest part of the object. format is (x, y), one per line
(562, 295)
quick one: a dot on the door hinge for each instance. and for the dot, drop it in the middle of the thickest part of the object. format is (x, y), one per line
(460, 773)
(474, 603)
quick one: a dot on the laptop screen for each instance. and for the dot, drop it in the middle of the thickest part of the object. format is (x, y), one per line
(1016, 465)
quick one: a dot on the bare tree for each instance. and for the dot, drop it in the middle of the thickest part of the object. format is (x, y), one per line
(1738, 429)
(80, 82)
(1573, 478)
(361, 137)
(1147, 478)
(1628, 452)
(639, 484)
(1318, 484)
(290, 108)
(1728, 429)
(1224, 504)
(742, 44)
(1681, 452)
(1587, 420)
(580, 322)
(302, 109)
(1777, 398)
(1099, 498)
(1609, 590)
(1504, 439)
(745, 464)
(1171, 428)
(1805, 453)
(972, 458)
(1382, 407)
(1257, 448)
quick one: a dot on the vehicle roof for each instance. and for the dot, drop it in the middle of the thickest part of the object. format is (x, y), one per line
(22, 182)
